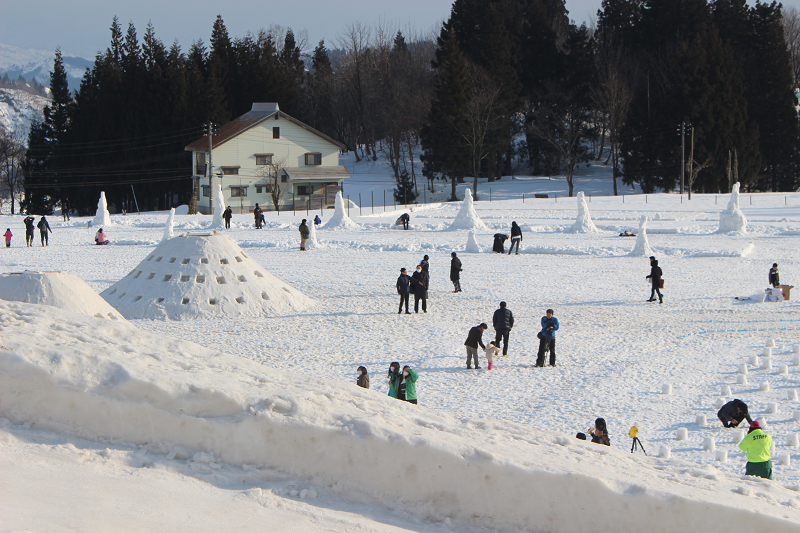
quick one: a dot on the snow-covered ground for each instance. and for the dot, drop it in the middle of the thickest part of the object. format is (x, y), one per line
(261, 426)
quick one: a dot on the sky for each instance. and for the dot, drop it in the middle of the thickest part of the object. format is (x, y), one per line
(81, 28)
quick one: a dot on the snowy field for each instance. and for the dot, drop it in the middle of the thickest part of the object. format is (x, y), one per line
(262, 428)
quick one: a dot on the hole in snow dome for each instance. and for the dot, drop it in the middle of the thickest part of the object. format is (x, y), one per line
(185, 301)
(111, 316)
(150, 258)
(112, 292)
(137, 298)
(185, 261)
(137, 274)
(221, 280)
(257, 273)
(242, 279)
(244, 254)
(204, 261)
(158, 301)
(238, 259)
(264, 296)
(200, 279)
(173, 259)
(121, 296)
(167, 277)
(223, 261)
(152, 275)
(212, 301)
(287, 290)
(239, 300)
(158, 259)
(185, 277)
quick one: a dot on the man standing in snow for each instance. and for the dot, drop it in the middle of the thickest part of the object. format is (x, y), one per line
(420, 284)
(503, 321)
(455, 272)
(516, 237)
(655, 280)
(403, 289)
(65, 207)
(547, 338)
(758, 446)
(474, 339)
(304, 232)
(29, 230)
(774, 277)
(257, 214)
(227, 215)
(44, 227)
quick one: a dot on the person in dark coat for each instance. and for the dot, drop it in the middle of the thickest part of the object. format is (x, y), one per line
(317, 220)
(44, 227)
(499, 243)
(475, 339)
(424, 263)
(600, 432)
(455, 272)
(405, 219)
(503, 321)
(655, 280)
(304, 233)
(227, 215)
(363, 377)
(65, 207)
(516, 237)
(419, 285)
(403, 289)
(29, 220)
(258, 216)
(732, 413)
(547, 338)
(774, 277)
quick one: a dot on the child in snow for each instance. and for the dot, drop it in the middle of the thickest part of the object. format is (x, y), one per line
(600, 432)
(363, 378)
(491, 350)
(101, 238)
(8, 236)
(393, 378)
(407, 387)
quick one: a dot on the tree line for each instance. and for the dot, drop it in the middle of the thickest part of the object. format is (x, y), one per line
(504, 83)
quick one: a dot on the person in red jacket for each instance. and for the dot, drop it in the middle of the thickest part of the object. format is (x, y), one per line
(8, 236)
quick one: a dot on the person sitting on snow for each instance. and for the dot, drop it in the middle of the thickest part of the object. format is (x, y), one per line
(732, 413)
(101, 238)
(317, 220)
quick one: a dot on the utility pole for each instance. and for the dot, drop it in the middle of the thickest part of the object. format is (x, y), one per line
(683, 157)
(691, 165)
(212, 128)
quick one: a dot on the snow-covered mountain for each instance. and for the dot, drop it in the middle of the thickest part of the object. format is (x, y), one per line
(31, 63)
(18, 109)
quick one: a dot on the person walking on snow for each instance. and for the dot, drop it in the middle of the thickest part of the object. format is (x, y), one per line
(503, 321)
(44, 227)
(304, 232)
(547, 338)
(407, 386)
(363, 377)
(65, 207)
(732, 413)
(516, 237)
(227, 215)
(491, 350)
(257, 214)
(29, 230)
(420, 281)
(474, 339)
(403, 289)
(455, 272)
(758, 446)
(655, 280)
(774, 277)
(393, 378)
(8, 236)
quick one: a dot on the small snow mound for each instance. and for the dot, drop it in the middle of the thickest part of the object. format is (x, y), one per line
(472, 244)
(340, 218)
(732, 220)
(56, 289)
(584, 223)
(467, 217)
(169, 228)
(219, 208)
(102, 218)
(642, 247)
(182, 210)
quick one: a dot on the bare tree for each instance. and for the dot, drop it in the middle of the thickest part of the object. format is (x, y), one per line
(271, 174)
(12, 153)
(791, 32)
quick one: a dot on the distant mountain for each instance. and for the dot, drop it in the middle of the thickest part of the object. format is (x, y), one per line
(37, 64)
(18, 109)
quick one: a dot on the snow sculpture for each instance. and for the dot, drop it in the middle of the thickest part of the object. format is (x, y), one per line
(340, 218)
(472, 244)
(312, 243)
(219, 208)
(102, 217)
(732, 220)
(467, 217)
(168, 229)
(56, 289)
(199, 276)
(642, 246)
(584, 223)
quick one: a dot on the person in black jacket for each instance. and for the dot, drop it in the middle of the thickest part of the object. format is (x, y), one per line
(227, 215)
(732, 413)
(503, 321)
(499, 243)
(403, 289)
(774, 277)
(65, 207)
(29, 220)
(516, 237)
(44, 227)
(655, 280)
(474, 339)
(600, 432)
(455, 272)
(257, 215)
(419, 282)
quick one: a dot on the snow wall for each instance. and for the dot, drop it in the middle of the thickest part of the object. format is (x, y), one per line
(340, 218)
(583, 224)
(102, 218)
(467, 217)
(642, 246)
(732, 220)
(142, 388)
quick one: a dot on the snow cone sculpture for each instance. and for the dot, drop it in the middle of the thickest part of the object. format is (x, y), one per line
(168, 229)
(340, 218)
(56, 289)
(102, 218)
(467, 217)
(219, 207)
(312, 243)
(472, 244)
(584, 223)
(732, 220)
(642, 247)
(199, 276)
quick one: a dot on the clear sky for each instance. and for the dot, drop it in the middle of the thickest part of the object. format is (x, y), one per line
(81, 27)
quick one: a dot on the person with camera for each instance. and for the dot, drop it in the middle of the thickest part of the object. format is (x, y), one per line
(655, 279)
(547, 338)
(600, 432)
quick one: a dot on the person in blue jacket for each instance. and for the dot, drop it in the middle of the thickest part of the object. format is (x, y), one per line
(547, 338)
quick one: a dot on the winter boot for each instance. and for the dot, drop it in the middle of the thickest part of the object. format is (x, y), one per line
(491, 365)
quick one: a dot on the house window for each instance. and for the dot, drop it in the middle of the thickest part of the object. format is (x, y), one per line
(313, 159)
(304, 190)
(263, 159)
(276, 133)
(258, 189)
(230, 170)
(284, 178)
(206, 191)
(238, 192)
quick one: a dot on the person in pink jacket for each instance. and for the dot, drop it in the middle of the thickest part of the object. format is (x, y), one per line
(8, 236)
(101, 238)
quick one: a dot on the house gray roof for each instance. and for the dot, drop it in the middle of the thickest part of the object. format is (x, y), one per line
(335, 173)
(258, 114)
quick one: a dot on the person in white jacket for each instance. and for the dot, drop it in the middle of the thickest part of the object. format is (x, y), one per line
(491, 350)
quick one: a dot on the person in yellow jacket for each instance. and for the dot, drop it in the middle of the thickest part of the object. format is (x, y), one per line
(758, 445)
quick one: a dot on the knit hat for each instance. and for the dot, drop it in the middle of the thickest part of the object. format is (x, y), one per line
(755, 424)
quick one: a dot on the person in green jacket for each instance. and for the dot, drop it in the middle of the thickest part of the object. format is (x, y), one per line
(407, 387)
(757, 444)
(394, 378)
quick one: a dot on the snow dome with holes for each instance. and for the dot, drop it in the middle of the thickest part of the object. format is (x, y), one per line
(202, 275)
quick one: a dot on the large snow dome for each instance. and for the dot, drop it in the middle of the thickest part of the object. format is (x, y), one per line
(202, 275)
(56, 289)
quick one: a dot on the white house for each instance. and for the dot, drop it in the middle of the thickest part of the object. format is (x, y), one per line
(264, 149)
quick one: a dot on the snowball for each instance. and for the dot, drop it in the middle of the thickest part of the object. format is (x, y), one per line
(168, 228)
(682, 434)
(340, 219)
(726, 391)
(743, 369)
(766, 363)
(722, 456)
(472, 244)
(709, 444)
(701, 420)
(754, 360)
(772, 408)
(584, 223)
(664, 452)
(741, 379)
(768, 352)
(467, 217)
(101, 218)
(764, 386)
(642, 246)
(732, 220)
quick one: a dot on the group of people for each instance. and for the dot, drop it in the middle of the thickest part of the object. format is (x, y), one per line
(757, 443)
(402, 385)
(44, 230)
(418, 284)
(500, 238)
(599, 433)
